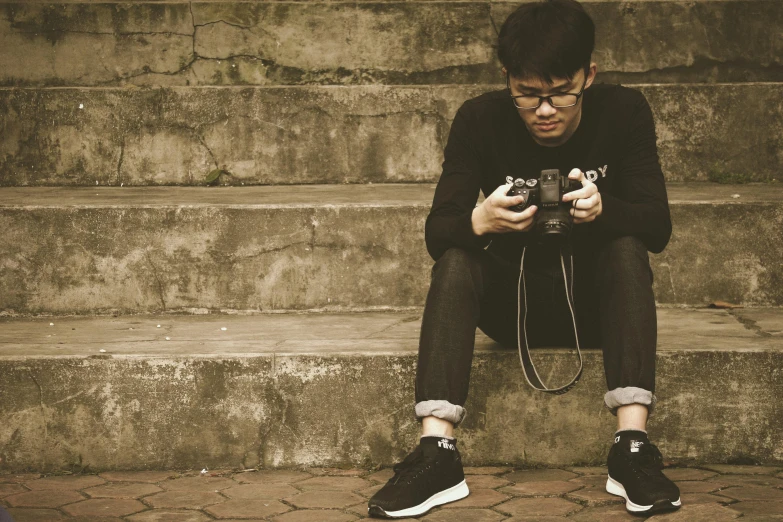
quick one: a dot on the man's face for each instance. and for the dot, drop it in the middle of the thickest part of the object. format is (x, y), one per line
(550, 126)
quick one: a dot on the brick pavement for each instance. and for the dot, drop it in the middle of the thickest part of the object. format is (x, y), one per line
(709, 493)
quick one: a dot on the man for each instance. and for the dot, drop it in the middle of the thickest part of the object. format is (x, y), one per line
(550, 116)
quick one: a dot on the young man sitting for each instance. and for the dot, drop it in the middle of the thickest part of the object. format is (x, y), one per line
(550, 116)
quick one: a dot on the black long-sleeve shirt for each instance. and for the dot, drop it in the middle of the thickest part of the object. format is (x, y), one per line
(614, 144)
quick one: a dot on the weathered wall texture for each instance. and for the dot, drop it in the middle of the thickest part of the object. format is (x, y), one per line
(315, 133)
(350, 43)
(293, 135)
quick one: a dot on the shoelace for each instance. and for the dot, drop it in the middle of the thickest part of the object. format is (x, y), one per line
(411, 466)
(649, 460)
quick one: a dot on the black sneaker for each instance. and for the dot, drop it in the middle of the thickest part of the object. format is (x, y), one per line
(430, 476)
(635, 474)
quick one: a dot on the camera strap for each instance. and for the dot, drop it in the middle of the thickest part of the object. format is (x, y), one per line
(531, 375)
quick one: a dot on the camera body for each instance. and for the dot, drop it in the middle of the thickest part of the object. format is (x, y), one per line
(553, 220)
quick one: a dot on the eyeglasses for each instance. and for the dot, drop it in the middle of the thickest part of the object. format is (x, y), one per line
(532, 101)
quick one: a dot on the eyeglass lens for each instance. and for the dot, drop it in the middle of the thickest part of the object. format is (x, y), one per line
(532, 102)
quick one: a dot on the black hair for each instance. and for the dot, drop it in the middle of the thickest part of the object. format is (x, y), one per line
(553, 38)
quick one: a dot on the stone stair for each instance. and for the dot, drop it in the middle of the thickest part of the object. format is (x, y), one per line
(327, 122)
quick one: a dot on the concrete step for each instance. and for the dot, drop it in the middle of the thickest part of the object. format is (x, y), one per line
(317, 134)
(282, 390)
(240, 43)
(320, 247)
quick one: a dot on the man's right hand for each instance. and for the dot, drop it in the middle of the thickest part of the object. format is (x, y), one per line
(493, 215)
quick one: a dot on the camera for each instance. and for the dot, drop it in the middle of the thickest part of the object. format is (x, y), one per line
(553, 220)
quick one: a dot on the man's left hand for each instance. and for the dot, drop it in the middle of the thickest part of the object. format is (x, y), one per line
(587, 200)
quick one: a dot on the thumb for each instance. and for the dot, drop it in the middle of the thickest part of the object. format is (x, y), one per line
(503, 189)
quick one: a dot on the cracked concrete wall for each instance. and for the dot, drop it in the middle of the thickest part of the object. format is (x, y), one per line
(294, 135)
(296, 126)
(262, 43)
(72, 260)
(91, 414)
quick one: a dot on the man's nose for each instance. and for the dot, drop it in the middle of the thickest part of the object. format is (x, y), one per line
(545, 109)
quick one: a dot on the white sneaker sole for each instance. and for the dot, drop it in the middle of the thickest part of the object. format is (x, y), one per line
(615, 488)
(457, 492)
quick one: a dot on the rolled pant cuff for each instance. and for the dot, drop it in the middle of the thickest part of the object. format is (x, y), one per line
(613, 399)
(442, 410)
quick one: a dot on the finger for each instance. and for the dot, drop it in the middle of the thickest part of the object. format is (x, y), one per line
(503, 199)
(582, 214)
(577, 174)
(502, 190)
(586, 203)
(586, 191)
(516, 217)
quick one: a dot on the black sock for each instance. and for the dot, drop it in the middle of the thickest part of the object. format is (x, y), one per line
(440, 442)
(632, 440)
(630, 434)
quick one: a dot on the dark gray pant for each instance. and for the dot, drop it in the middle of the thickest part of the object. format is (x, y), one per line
(614, 307)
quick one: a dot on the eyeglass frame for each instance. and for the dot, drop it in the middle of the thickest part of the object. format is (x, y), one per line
(542, 98)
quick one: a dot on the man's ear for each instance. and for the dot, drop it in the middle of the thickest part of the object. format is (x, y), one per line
(591, 74)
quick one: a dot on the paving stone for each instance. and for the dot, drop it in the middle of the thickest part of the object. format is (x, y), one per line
(747, 480)
(758, 508)
(243, 508)
(544, 488)
(169, 515)
(590, 480)
(538, 506)
(463, 515)
(360, 509)
(332, 484)
(325, 499)
(137, 476)
(697, 513)
(703, 498)
(272, 477)
(260, 491)
(35, 515)
(539, 475)
(372, 490)
(122, 490)
(73, 482)
(728, 469)
(44, 498)
(11, 489)
(485, 481)
(381, 476)
(19, 477)
(594, 496)
(241, 520)
(699, 486)
(536, 519)
(485, 470)
(105, 507)
(753, 493)
(610, 513)
(336, 472)
(478, 498)
(211, 484)
(677, 474)
(588, 470)
(93, 518)
(184, 499)
(315, 516)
